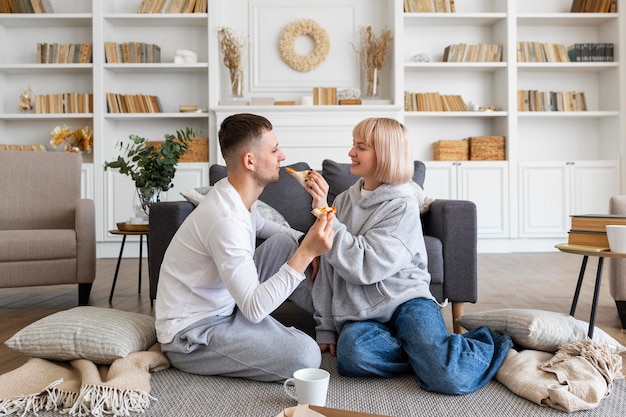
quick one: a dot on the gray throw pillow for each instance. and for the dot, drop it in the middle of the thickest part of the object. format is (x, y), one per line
(100, 335)
(339, 179)
(537, 329)
(286, 195)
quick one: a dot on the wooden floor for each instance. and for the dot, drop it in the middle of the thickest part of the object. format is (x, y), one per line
(531, 280)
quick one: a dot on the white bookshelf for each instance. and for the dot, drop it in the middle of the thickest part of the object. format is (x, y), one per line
(557, 163)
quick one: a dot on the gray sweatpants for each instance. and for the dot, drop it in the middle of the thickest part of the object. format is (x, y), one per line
(235, 347)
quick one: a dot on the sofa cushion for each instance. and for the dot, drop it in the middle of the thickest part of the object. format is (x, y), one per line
(37, 245)
(538, 329)
(339, 179)
(97, 334)
(286, 195)
(195, 196)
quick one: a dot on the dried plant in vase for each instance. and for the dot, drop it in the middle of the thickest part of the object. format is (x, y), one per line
(232, 46)
(78, 140)
(373, 52)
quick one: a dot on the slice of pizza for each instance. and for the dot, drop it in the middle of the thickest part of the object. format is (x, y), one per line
(323, 210)
(301, 176)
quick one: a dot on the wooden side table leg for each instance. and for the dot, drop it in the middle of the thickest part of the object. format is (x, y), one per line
(581, 275)
(117, 268)
(596, 294)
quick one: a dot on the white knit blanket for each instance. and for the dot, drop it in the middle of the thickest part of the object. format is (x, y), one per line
(577, 377)
(80, 387)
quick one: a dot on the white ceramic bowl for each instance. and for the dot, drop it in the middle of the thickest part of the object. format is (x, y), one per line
(617, 238)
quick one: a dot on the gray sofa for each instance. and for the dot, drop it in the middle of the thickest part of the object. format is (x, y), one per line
(47, 231)
(449, 229)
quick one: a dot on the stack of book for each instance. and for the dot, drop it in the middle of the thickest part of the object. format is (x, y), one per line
(590, 229)
(591, 52)
(534, 100)
(133, 103)
(324, 96)
(594, 6)
(173, 6)
(541, 52)
(64, 103)
(433, 102)
(64, 53)
(429, 6)
(132, 53)
(481, 52)
(25, 6)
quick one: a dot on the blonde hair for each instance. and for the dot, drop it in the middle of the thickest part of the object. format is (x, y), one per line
(392, 144)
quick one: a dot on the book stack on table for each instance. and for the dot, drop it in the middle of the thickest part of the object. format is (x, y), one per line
(589, 230)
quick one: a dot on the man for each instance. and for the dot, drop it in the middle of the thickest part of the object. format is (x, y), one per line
(216, 290)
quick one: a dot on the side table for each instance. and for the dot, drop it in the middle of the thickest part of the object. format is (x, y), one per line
(141, 232)
(586, 252)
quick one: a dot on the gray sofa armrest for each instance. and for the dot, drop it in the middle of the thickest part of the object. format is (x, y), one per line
(165, 219)
(454, 222)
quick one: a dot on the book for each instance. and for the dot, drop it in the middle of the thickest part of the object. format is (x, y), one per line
(587, 238)
(349, 101)
(189, 6)
(595, 222)
(184, 108)
(324, 96)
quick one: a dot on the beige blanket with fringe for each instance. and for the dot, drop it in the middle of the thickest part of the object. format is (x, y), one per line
(577, 377)
(80, 387)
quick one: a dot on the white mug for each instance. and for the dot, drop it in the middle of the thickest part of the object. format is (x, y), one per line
(311, 386)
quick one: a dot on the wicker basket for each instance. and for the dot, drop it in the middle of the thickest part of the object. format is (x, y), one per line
(451, 150)
(487, 148)
(198, 150)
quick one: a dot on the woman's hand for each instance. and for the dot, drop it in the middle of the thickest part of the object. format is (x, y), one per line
(328, 346)
(318, 188)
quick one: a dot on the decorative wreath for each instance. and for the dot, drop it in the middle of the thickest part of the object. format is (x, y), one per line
(304, 27)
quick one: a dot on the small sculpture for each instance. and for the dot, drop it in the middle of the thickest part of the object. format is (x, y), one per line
(348, 93)
(421, 58)
(183, 56)
(25, 103)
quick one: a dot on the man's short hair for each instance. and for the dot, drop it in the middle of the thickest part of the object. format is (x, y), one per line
(392, 144)
(241, 130)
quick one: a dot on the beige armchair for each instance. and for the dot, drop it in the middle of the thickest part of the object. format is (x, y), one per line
(47, 232)
(617, 271)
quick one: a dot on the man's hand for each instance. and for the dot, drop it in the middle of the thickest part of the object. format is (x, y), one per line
(328, 346)
(317, 241)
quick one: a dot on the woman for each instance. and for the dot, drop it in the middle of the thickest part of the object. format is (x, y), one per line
(374, 309)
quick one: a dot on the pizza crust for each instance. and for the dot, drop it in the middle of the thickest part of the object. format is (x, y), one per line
(301, 176)
(318, 212)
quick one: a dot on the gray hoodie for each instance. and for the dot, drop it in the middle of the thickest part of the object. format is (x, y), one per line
(378, 260)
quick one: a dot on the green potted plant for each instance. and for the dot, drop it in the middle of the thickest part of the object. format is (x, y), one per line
(152, 168)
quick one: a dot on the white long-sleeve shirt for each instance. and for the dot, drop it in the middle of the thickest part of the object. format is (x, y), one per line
(209, 268)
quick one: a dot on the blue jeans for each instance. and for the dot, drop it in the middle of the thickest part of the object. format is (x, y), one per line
(416, 339)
